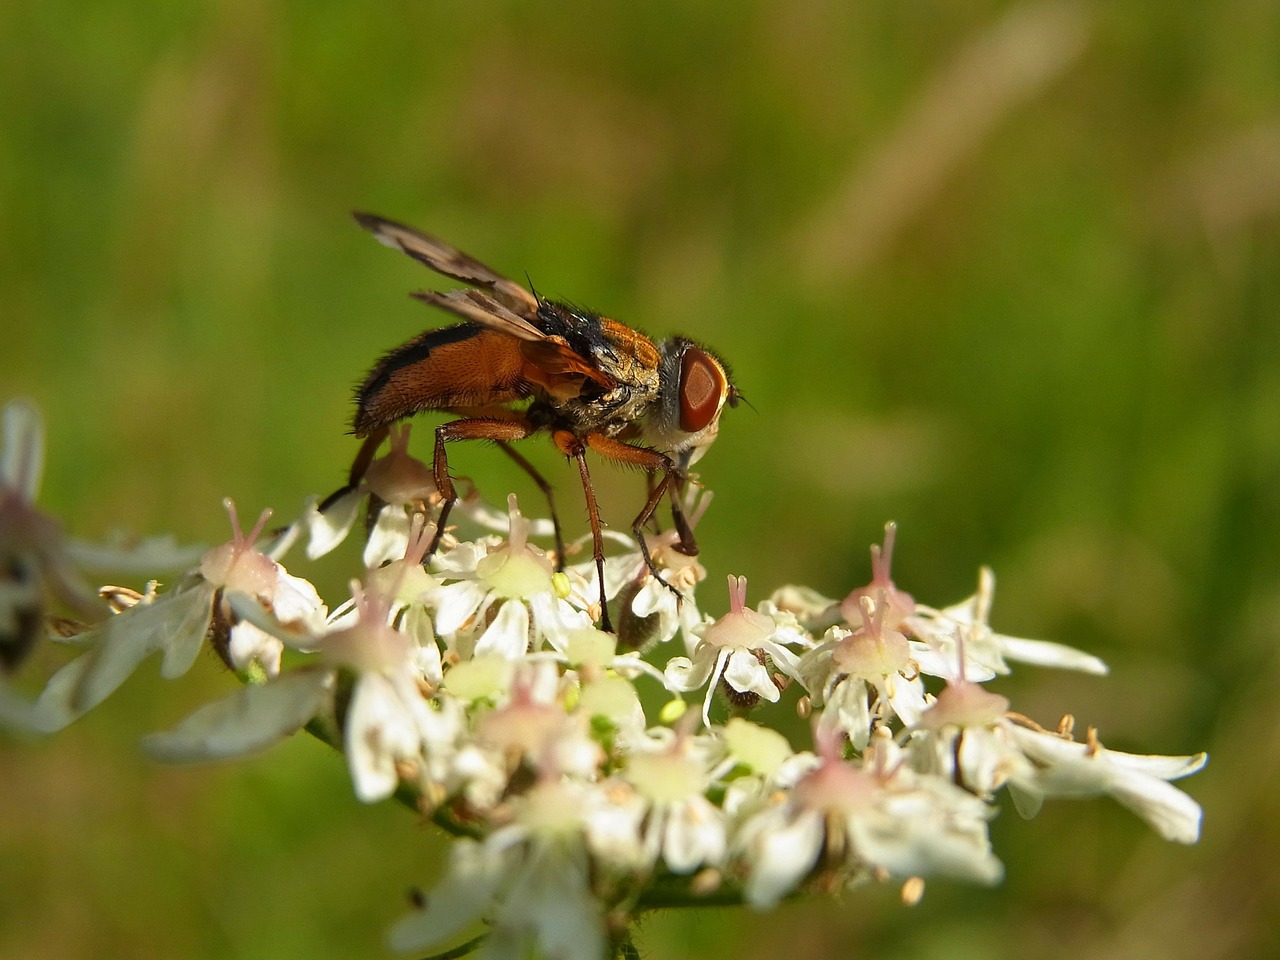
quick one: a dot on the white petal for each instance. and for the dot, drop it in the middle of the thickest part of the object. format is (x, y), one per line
(466, 893)
(908, 700)
(694, 835)
(248, 644)
(922, 835)
(455, 604)
(120, 644)
(149, 556)
(787, 661)
(508, 635)
(379, 732)
(1155, 765)
(1025, 800)
(246, 722)
(848, 711)
(683, 675)
(1173, 814)
(745, 673)
(388, 539)
(1045, 653)
(560, 906)
(783, 857)
(1068, 768)
(182, 641)
(328, 529)
(943, 662)
(22, 456)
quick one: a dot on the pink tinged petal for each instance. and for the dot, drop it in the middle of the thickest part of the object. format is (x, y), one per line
(248, 721)
(236, 565)
(783, 858)
(397, 477)
(964, 704)
(475, 873)
(741, 626)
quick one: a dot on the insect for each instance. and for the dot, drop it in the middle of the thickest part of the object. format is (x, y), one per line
(520, 364)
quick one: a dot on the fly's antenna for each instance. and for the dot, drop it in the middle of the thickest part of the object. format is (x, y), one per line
(532, 289)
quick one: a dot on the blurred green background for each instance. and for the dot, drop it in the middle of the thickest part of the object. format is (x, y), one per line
(1007, 273)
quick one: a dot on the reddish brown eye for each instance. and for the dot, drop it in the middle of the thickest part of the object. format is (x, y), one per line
(702, 390)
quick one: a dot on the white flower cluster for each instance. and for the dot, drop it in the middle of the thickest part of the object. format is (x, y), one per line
(478, 686)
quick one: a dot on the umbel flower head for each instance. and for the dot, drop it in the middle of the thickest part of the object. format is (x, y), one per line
(475, 686)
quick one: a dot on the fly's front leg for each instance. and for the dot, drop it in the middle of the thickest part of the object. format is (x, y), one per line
(687, 545)
(654, 462)
(651, 481)
(637, 527)
(475, 428)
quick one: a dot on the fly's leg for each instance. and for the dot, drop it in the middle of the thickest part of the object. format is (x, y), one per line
(475, 428)
(546, 489)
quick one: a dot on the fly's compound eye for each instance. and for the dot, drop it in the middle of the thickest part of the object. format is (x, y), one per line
(703, 388)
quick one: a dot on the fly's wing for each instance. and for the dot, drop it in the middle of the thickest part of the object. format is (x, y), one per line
(478, 307)
(449, 260)
(502, 306)
(459, 366)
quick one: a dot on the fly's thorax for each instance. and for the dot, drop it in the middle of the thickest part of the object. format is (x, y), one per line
(608, 411)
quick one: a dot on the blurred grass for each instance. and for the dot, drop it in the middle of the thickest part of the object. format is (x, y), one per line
(1006, 273)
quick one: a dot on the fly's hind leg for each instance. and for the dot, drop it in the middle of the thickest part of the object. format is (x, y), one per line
(472, 428)
(364, 457)
(547, 491)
